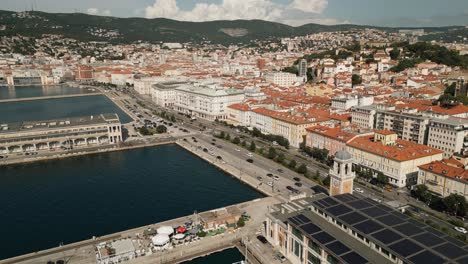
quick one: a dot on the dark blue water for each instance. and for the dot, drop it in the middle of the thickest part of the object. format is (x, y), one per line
(38, 91)
(59, 108)
(227, 256)
(45, 203)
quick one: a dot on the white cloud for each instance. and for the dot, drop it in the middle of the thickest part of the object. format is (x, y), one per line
(97, 12)
(93, 11)
(238, 9)
(310, 6)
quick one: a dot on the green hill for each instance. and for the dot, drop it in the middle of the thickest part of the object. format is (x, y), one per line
(81, 27)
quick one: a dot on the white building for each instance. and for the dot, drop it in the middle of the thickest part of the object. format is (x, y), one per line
(363, 116)
(347, 102)
(448, 134)
(284, 79)
(143, 85)
(206, 101)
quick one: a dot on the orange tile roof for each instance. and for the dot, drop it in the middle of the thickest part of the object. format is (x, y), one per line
(384, 132)
(447, 168)
(335, 133)
(401, 151)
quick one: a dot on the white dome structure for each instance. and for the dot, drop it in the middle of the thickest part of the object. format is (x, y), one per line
(160, 240)
(165, 230)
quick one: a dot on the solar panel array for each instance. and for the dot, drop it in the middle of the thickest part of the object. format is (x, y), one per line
(401, 235)
(329, 242)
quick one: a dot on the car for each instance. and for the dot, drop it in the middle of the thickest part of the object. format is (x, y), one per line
(219, 146)
(270, 183)
(249, 160)
(212, 143)
(219, 157)
(358, 190)
(460, 229)
(276, 178)
(259, 178)
(275, 143)
(249, 154)
(280, 170)
(262, 239)
(237, 150)
(297, 179)
(289, 188)
(270, 175)
(214, 140)
(298, 184)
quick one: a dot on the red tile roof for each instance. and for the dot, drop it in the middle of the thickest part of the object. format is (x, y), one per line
(447, 168)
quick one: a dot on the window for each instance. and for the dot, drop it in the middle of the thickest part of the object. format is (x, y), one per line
(332, 260)
(311, 259)
(315, 247)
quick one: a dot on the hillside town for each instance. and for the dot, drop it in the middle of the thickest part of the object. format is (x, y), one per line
(391, 107)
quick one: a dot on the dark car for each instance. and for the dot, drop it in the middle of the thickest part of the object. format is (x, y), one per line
(289, 188)
(296, 179)
(262, 239)
(298, 184)
(319, 189)
(270, 174)
(280, 170)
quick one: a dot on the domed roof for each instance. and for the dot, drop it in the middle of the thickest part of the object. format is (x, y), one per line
(343, 155)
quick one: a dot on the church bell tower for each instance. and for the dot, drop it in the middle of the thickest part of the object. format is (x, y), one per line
(341, 175)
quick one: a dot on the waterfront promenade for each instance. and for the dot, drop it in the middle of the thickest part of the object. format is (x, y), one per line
(48, 97)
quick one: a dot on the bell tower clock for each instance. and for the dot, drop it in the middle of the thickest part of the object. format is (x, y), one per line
(341, 175)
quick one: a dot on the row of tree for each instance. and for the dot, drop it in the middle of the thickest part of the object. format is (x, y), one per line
(454, 204)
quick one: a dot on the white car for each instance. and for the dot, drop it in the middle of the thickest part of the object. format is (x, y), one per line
(270, 183)
(237, 150)
(276, 178)
(275, 143)
(249, 155)
(358, 190)
(460, 229)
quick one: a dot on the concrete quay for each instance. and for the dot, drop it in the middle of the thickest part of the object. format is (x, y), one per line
(83, 252)
(48, 97)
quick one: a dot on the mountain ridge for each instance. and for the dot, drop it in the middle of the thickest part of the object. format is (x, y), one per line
(86, 27)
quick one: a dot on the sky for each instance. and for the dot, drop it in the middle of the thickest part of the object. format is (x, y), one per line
(411, 13)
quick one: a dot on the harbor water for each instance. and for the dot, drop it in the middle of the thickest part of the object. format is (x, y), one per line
(63, 201)
(13, 92)
(228, 256)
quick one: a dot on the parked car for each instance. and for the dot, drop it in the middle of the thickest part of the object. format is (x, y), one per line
(270, 183)
(276, 177)
(460, 229)
(358, 190)
(298, 184)
(259, 178)
(270, 175)
(297, 179)
(280, 170)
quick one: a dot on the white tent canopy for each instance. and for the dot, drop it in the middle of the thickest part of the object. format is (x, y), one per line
(160, 240)
(179, 236)
(165, 230)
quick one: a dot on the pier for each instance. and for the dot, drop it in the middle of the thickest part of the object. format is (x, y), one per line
(48, 97)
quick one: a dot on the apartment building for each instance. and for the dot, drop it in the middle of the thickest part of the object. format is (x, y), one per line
(444, 177)
(408, 124)
(284, 79)
(449, 134)
(397, 159)
(347, 102)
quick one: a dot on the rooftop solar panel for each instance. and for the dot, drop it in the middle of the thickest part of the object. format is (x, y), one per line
(385, 208)
(354, 258)
(374, 212)
(450, 250)
(455, 241)
(387, 236)
(304, 219)
(338, 248)
(346, 197)
(368, 227)
(311, 228)
(319, 204)
(435, 232)
(329, 201)
(352, 218)
(426, 257)
(417, 223)
(323, 237)
(399, 215)
(360, 204)
(463, 260)
(405, 247)
(338, 210)
(408, 229)
(390, 220)
(293, 220)
(428, 239)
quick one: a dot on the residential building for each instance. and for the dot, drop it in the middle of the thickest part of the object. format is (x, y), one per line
(347, 102)
(407, 123)
(395, 158)
(284, 79)
(444, 177)
(449, 134)
(302, 67)
(363, 116)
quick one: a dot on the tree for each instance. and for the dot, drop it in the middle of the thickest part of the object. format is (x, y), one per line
(236, 140)
(222, 134)
(161, 129)
(252, 146)
(381, 178)
(271, 153)
(356, 79)
(243, 144)
(302, 169)
(241, 222)
(395, 54)
(292, 164)
(326, 181)
(144, 131)
(228, 136)
(422, 192)
(173, 119)
(455, 204)
(317, 174)
(280, 158)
